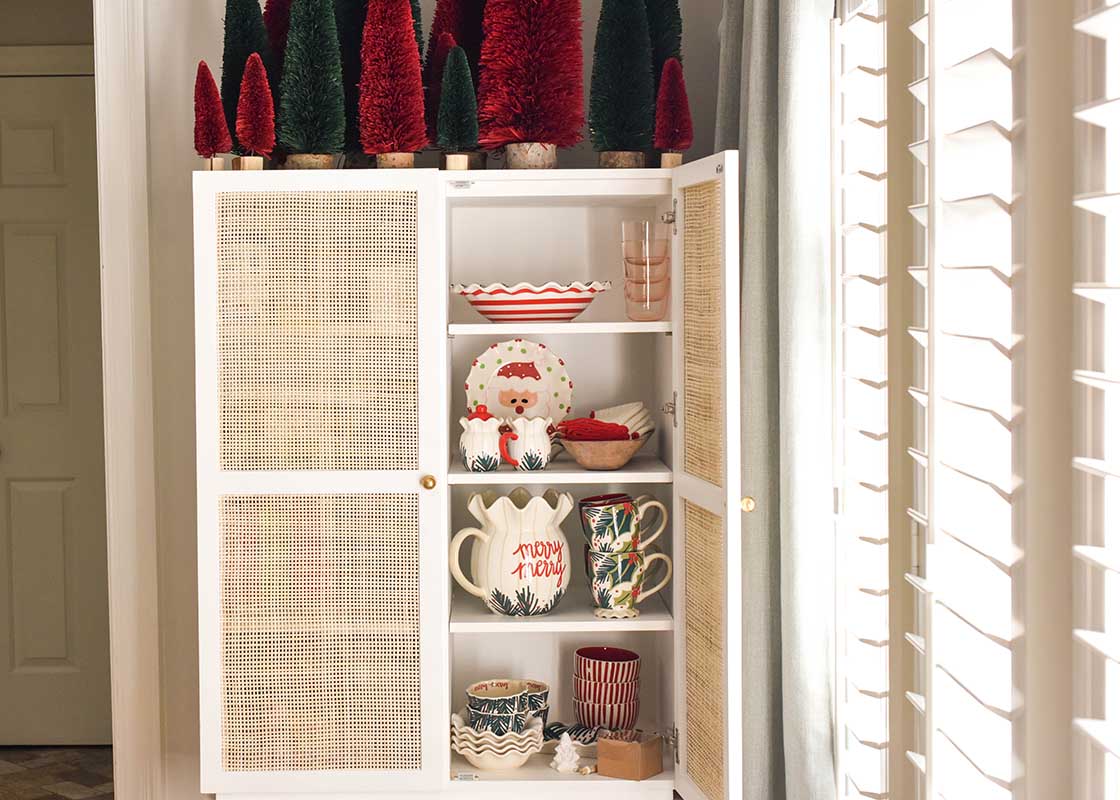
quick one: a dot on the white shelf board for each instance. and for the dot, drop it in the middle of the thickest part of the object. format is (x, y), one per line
(537, 776)
(551, 187)
(544, 328)
(642, 469)
(574, 615)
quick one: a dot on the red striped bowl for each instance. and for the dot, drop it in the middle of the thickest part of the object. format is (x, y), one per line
(609, 664)
(604, 691)
(616, 716)
(526, 302)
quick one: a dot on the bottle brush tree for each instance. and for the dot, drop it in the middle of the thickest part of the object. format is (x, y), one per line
(531, 83)
(391, 105)
(664, 18)
(211, 133)
(458, 110)
(312, 111)
(256, 121)
(622, 79)
(673, 129)
(463, 20)
(417, 27)
(350, 19)
(437, 58)
(276, 17)
(244, 35)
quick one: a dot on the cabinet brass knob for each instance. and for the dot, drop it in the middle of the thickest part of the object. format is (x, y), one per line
(428, 482)
(748, 504)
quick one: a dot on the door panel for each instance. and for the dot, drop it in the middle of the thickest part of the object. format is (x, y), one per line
(54, 631)
(708, 593)
(318, 660)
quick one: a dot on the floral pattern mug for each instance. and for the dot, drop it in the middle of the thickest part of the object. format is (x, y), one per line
(618, 581)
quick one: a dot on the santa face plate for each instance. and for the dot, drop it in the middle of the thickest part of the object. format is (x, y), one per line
(520, 379)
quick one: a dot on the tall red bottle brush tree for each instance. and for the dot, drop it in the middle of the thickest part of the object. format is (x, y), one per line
(391, 102)
(211, 133)
(437, 58)
(673, 127)
(531, 86)
(256, 116)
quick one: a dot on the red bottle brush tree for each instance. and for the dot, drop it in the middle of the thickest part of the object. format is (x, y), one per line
(531, 87)
(211, 134)
(437, 58)
(276, 15)
(463, 20)
(673, 129)
(256, 118)
(245, 34)
(391, 105)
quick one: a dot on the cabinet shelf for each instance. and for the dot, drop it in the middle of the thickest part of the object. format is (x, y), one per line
(574, 615)
(537, 775)
(544, 328)
(643, 469)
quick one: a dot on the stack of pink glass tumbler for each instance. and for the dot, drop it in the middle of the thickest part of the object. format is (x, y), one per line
(645, 255)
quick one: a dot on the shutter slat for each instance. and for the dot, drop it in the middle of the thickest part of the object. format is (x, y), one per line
(1100, 203)
(918, 760)
(920, 151)
(1101, 23)
(1102, 557)
(920, 90)
(1096, 466)
(918, 701)
(920, 28)
(1098, 642)
(1100, 733)
(917, 642)
(1102, 113)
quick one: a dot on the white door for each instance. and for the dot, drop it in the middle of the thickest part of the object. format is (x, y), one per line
(54, 631)
(320, 308)
(706, 463)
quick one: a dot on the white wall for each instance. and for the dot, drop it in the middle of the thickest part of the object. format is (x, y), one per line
(179, 34)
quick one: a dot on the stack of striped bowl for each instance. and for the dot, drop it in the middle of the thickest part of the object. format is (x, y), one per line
(605, 687)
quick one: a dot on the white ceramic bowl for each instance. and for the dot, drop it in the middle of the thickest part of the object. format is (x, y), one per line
(527, 302)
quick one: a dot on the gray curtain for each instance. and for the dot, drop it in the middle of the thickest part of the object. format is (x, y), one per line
(773, 106)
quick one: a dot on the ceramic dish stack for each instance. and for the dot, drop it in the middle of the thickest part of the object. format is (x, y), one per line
(486, 750)
(605, 687)
(527, 302)
(505, 705)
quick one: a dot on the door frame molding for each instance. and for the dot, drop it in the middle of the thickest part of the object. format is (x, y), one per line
(122, 178)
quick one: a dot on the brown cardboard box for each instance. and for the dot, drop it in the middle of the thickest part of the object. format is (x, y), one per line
(631, 755)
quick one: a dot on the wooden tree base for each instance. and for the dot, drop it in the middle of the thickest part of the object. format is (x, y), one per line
(248, 162)
(670, 160)
(396, 160)
(622, 159)
(530, 155)
(310, 161)
(456, 161)
(214, 164)
(359, 161)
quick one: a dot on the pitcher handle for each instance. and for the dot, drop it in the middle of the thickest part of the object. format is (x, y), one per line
(503, 448)
(660, 528)
(664, 582)
(456, 570)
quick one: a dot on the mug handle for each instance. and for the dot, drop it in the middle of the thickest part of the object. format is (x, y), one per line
(503, 448)
(664, 582)
(456, 570)
(660, 528)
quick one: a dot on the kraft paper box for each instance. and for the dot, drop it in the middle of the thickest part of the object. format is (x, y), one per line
(631, 755)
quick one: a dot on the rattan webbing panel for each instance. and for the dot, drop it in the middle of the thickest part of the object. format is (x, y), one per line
(705, 689)
(703, 332)
(317, 316)
(320, 632)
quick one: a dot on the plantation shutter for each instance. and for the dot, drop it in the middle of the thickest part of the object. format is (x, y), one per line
(974, 360)
(1096, 465)
(860, 175)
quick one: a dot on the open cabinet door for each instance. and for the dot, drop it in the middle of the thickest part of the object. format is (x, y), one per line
(320, 507)
(706, 463)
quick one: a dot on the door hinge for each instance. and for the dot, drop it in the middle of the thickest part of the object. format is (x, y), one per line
(674, 737)
(670, 217)
(835, 499)
(671, 408)
(462, 184)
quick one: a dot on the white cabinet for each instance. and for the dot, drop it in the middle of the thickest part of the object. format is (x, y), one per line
(330, 362)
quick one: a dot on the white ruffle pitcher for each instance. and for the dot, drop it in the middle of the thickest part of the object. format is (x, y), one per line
(520, 563)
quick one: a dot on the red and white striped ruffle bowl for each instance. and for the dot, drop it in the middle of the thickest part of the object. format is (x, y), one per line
(607, 664)
(527, 302)
(604, 691)
(615, 716)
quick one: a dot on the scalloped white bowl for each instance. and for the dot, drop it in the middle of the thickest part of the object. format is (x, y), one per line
(527, 302)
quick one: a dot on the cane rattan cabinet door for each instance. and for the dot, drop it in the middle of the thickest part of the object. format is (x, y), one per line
(706, 463)
(318, 660)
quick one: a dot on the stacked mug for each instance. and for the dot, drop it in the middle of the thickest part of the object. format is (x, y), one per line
(605, 687)
(616, 562)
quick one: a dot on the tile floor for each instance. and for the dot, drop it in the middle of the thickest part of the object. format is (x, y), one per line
(48, 773)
